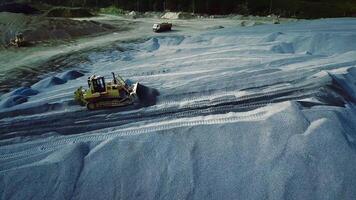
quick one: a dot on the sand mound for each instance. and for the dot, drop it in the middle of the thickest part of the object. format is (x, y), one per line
(283, 47)
(13, 101)
(69, 12)
(347, 82)
(325, 43)
(16, 97)
(26, 91)
(151, 45)
(48, 82)
(177, 15)
(39, 28)
(70, 75)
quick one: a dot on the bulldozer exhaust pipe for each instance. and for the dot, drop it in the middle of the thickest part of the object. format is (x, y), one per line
(114, 78)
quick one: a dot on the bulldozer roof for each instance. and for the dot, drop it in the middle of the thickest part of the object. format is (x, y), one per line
(93, 77)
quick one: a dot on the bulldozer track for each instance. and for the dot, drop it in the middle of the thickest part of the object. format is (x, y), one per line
(51, 146)
(77, 124)
(217, 109)
(222, 97)
(169, 99)
(177, 98)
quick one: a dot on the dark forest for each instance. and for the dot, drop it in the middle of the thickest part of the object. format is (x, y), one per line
(285, 8)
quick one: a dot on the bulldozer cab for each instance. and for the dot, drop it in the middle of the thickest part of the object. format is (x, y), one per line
(96, 84)
(19, 38)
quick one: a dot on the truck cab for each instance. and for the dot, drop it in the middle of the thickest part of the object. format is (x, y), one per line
(161, 27)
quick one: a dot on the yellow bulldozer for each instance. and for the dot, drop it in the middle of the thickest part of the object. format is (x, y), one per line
(105, 95)
(18, 41)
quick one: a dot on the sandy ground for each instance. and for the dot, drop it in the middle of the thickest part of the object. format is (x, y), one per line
(32, 62)
(260, 112)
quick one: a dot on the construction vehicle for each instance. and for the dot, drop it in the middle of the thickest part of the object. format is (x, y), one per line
(161, 27)
(18, 41)
(105, 95)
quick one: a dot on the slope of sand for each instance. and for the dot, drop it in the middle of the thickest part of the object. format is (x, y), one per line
(265, 112)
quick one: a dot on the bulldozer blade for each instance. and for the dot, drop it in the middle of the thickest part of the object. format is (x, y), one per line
(147, 96)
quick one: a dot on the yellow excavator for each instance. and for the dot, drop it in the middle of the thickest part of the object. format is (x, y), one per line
(105, 95)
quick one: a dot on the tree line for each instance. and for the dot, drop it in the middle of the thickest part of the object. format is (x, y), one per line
(287, 8)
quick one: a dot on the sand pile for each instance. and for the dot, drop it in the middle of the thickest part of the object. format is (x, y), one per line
(177, 15)
(69, 12)
(39, 28)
